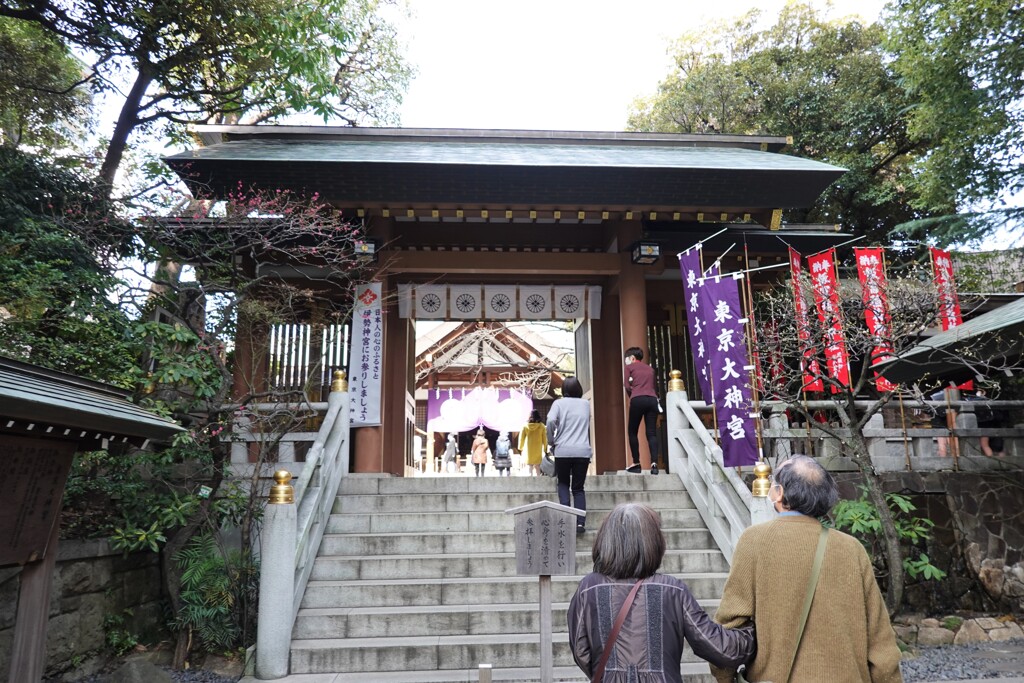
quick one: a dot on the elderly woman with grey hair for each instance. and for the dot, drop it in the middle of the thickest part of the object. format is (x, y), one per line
(628, 623)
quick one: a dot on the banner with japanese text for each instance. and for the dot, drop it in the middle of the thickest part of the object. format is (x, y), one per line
(690, 269)
(809, 362)
(824, 282)
(949, 303)
(729, 368)
(366, 357)
(871, 272)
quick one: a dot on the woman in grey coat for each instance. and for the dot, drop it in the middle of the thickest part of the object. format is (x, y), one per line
(649, 648)
(569, 436)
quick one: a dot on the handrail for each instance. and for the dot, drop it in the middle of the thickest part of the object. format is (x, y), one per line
(326, 464)
(293, 528)
(719, 493)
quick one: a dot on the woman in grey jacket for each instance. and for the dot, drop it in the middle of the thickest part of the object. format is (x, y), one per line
(629, 548)
(569, 436)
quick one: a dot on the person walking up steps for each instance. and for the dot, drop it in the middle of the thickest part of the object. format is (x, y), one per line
(638, 379)
(569, 436)
(479, 449)
(503, 455)
(533, 442)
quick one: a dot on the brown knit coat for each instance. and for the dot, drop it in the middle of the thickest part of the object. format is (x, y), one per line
(848, 637)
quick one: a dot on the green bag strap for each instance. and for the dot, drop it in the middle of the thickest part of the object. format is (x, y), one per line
(819, 557)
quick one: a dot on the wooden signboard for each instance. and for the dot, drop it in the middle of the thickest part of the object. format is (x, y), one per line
(36, 470)
(545, 542)
(545, 535)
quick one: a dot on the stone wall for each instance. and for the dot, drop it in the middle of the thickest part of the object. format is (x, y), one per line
(978, 539)
(91, 581)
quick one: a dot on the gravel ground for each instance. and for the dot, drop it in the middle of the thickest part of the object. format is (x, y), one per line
(950, 663)
(965, 662)
(187, 676)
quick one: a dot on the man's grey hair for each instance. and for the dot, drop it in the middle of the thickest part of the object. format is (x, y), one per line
(629, 544)
(807, 487)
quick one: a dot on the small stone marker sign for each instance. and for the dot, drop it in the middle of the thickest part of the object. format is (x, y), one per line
(545, 535)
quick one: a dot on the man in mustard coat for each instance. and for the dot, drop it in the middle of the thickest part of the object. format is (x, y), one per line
(848, 637)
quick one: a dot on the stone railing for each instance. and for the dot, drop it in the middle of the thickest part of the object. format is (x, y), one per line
(719, 493)
(293, 526)
(907, 443)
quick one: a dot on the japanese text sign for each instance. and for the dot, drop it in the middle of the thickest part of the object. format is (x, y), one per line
(826, 298)
(809, 362)
(871, 272)
(730, 369)
(949, 303)
(690, 269)
(366, 359)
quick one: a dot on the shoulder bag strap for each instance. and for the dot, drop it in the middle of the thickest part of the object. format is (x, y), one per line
(819, 556)
(613, 636)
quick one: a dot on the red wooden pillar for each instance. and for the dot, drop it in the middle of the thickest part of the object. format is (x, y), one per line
(633, 317)
(606, 361)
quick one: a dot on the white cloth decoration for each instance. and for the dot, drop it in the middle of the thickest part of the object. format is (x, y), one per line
(535, 302)
(431, 302)
(465, 302)
(404, 300)
(500, 302)
(570, 302)
(594, 302)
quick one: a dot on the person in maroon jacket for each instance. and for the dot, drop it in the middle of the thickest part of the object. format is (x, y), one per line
(638, 378)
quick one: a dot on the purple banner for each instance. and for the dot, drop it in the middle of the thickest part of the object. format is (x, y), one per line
(690, 268)
(729, 367)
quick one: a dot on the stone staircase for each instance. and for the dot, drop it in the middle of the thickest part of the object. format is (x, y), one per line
(415, 578)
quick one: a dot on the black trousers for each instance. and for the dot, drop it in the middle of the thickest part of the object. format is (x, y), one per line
(572, 475)
(645, 408)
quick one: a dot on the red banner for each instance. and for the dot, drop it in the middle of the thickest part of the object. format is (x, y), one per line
(871, 272)
(824, 282)
(949, 304)
(809, 364)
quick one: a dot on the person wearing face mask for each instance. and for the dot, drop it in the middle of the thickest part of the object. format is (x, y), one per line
(847, 637)
(638, 379)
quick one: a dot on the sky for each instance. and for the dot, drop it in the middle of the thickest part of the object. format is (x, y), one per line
(552, 64)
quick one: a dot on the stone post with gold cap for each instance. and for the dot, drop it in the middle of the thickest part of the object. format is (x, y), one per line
(762, 509)
(277, 580)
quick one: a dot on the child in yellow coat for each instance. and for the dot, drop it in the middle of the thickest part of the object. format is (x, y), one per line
(533, 442)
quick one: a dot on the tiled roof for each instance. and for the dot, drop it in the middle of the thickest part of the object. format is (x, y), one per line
(504, 154)
(32, 394)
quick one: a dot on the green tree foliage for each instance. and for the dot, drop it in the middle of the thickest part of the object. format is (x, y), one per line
(55, 306)
(187, 61)
(42, 102)
(962, 63)
(828, 84)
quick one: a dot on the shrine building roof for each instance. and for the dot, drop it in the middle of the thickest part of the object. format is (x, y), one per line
(36, 401)
(381, 166)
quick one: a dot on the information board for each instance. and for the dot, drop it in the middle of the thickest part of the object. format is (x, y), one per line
(36, 470)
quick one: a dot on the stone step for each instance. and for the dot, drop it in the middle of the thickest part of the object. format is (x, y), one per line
(434, 620)
(379, 592)
(375, 484)
(446, 542)
(430, 652)
(427, 503)
(397, 522)
(695, 672)
(481, 565)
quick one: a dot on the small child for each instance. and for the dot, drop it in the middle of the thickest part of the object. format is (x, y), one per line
(503, 455)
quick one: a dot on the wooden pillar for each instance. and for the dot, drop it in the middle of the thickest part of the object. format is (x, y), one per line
(633, 317)
(28, 652)
(606, 362)
(399, 341)
(251, 347)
